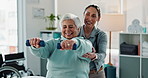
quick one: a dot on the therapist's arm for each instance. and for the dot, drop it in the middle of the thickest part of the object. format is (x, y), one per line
(92, 55)
(102, 43)
(85, 46)
(101, 54)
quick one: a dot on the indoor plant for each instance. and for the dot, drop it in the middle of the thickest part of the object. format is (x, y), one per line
(51, 19)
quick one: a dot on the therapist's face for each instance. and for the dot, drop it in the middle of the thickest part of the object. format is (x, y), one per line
(69, 29)
(91, 16)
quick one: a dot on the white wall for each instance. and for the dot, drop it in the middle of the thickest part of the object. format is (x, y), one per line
(72, 6)
(133, 10)
(77, 7)
(33, 27)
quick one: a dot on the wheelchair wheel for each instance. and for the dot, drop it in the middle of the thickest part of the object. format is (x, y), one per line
(9, 68)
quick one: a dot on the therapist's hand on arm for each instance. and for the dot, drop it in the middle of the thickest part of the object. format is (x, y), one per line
(67, 44)
(35, 42)
(91, 55)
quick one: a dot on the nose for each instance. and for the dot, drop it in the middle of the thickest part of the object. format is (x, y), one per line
(67, 29)
(88, 18)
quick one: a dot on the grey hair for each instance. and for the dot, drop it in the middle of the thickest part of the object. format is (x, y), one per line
(73, 17)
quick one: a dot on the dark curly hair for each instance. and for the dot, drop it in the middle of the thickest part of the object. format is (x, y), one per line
(94, 6)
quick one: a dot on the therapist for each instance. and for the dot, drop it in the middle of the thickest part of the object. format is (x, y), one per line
(97, 37)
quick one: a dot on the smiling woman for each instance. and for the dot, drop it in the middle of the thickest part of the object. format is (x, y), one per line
(65, 62)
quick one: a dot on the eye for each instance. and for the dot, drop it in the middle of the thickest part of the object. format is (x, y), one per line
(87, 14)
(71, 26)
(94, 16)
(64, 26)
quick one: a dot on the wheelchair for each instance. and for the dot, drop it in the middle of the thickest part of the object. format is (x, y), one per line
(11, 67)
(13, 71)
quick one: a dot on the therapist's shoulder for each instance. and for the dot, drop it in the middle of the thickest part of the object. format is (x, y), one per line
(101, 33)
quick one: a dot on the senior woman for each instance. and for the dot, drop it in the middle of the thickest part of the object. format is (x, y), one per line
(65, 62)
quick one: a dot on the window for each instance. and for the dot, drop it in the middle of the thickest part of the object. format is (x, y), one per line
(8, 27)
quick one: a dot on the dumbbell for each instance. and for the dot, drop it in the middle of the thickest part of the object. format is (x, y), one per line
(59, 46)
(41, 43)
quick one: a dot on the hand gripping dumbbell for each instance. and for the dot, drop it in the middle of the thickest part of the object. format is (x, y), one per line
(59, 46)
(41, 43)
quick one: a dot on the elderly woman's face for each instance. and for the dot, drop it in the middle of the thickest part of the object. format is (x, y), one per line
(69, 29)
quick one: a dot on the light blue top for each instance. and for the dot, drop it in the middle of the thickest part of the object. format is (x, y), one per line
(65, 63)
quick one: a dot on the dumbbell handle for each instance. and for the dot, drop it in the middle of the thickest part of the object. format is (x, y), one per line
(59, 46)
(41, 43)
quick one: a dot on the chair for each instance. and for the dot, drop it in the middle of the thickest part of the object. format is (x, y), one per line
(10, 69)
(1, 62)
(11, 65)
(4, 70)
(13, 59)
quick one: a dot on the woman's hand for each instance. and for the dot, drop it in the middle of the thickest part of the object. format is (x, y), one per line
(35, 42)
(67, 44)
(91, 55)
(93, 50)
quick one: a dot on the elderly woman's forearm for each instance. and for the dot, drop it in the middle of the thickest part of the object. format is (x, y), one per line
(43, 52)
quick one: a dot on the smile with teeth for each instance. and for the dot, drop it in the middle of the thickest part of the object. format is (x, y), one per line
(88, 22)
(68, 34)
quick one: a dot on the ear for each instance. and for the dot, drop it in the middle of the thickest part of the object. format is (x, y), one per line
(78, 31)
(98, 19)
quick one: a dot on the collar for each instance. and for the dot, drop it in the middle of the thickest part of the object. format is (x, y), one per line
(93, 33)
(63, 38)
